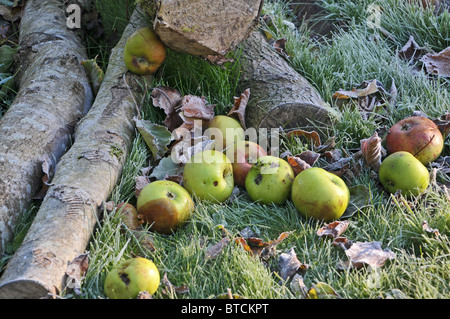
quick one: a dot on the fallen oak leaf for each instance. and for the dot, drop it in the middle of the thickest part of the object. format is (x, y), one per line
(334, 229)
(443, 123)
(342, 242)
(194, 107)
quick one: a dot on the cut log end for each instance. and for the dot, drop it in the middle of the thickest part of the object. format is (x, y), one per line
(295, 115)
(25, 289)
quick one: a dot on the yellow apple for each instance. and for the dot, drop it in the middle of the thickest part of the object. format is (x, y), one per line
(144, 52)
(225, 130)
(209, 176)
(165, 205)
(129, 277)
(320, 194)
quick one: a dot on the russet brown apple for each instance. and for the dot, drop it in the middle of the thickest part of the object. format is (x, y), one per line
(417, 135)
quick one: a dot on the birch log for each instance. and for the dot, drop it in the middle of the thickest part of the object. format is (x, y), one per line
(84, 178)
(279, 95)
(54, 93)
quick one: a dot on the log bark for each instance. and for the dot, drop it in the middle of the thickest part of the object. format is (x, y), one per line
(83, 180)
(279, 95)
(54, 93)
(204, 27)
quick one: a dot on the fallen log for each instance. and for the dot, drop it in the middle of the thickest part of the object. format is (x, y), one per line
(83, 180)
(279, 95)
(54, 93)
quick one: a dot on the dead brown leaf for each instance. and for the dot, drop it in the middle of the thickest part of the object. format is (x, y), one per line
(238, 109)
(280, 46)
(334, 229)
(195, 107)
(367, 253)
(313, 136)
(141, 182)
(75, 272)
(438, 63)
(258, 247)
(168, 99)
(290, 265)
(443, 123)
(170, 289)
(428, 229)
(411, 51)
(48, 171)
(214, 251)
(298, 165)
(372, 151)
(342, 242)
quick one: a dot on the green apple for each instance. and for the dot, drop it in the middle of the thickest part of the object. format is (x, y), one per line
(165, 205)
(245, 154)
(129, 277)
(225, 130)
(269, 180)
(144, 52)
(402, 171)
(320, 194)
(208, 175)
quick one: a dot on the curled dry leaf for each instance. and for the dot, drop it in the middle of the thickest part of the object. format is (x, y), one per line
(75, 272)
(443, 123)
(313, 136)
(372, 151)
(257, 247)
(298, 165)
(367, 253)
(438, 63)
(238, 109)
(168, 99)
(290, 265)
(428, 229)
(170, 289)
(129, 215)
(334, 229)
(342, 242)
(48, 171)
(194, 107)
(280, 46)
(141, 182)
(411, 51)
(214, 251)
